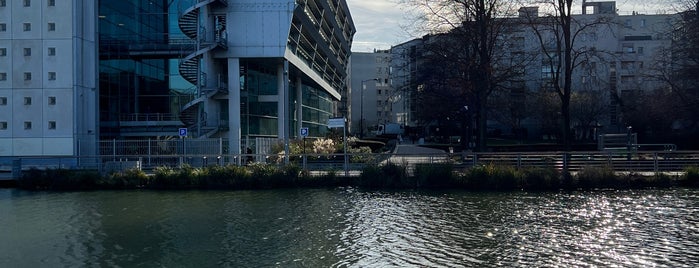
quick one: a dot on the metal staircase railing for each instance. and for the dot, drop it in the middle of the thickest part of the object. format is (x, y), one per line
(189, 66)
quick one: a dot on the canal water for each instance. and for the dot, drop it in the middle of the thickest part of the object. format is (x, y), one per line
(347, 227)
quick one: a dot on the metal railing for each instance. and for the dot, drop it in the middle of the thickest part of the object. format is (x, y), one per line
(149, 154)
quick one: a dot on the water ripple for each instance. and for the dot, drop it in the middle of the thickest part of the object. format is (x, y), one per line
(346, 227)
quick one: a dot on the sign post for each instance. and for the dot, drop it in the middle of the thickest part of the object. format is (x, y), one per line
(304, 133)
(340, 122)
(183, 134)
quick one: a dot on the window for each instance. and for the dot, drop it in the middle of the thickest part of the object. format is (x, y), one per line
(2, 3)
(643, 23)
(52, 27)
(27, 51)
(52, 76)
(52, 124)
(3, 76)
(3, 100)
(27, 3)
(627, 79)
(27, 100)
(3, 51)
(3, 125)
(640, 50)
(52, 51)
(27, 26)
(3, 27)
(52, 3)
(52, 100)
(27, 125)
(27, 76)
(627, 48)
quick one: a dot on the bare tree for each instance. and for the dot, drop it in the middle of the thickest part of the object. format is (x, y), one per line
(461, 56)
(587, 109)
(671, 112)
(558, 33)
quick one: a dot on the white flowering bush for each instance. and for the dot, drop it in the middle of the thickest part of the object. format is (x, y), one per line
(324, 146)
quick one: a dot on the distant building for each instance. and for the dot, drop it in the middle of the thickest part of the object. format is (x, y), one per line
(372, 97)
(622, 58)
(406, 63)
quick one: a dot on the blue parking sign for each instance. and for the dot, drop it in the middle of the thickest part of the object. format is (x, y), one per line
(183, 132)
(304, 132)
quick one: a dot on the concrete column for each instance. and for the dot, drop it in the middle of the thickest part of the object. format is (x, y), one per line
(234, 106)
(299, 105)
(282, 88)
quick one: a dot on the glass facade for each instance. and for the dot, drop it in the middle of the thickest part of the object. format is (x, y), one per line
(137, 80)
(317, 108)
(259, 118)
(141, 47)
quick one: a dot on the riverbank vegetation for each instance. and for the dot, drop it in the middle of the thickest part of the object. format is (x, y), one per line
(387, 176)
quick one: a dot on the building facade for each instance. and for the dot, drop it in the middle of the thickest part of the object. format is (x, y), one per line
(48, 78)
(616, 56)
(249, 71)
(372, 96)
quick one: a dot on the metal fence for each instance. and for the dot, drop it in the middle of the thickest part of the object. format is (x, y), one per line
(147, 155)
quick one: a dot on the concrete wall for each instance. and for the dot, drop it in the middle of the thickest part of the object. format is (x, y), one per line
(47, 113)
(258, 28)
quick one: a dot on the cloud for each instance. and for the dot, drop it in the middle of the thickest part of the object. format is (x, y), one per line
(378, 24)
(381, 23)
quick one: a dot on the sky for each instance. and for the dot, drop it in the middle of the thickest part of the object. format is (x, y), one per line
(383, 23)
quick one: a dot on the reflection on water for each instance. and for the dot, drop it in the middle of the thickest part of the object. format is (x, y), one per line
(348, 227)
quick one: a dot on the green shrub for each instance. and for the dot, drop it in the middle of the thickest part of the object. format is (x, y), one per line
(541, 179)
(598, 177)
(224, 177)
(369, 174)
(493, 177)
(34, 179)
(389, 175)
(690, 178)
(127, 179)
(58, 179)
(434, 175)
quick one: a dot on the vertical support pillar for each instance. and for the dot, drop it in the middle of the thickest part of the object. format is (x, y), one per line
(281, 101)
(655, 163)
(234, 108)
(283, 118)
(299, 104)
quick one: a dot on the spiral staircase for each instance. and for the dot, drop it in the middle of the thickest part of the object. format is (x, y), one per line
(189, 66)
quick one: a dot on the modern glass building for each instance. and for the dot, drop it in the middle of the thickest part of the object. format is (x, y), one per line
(248, 71)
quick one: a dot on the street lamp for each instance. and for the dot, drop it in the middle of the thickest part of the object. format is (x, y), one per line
(361, 108)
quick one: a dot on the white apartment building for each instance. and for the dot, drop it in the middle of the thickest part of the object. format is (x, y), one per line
(48, 77)
(617, 57)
